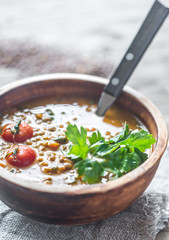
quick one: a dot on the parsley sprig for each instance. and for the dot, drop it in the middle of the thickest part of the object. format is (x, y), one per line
(79, 139)
(121, 154)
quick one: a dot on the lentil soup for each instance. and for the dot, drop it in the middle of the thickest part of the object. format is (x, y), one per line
(45, 122)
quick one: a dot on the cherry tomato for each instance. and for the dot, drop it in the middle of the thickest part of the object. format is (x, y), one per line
(20, 156)
(10, 135)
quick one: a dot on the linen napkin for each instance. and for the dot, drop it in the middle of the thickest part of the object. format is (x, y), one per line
(142, 221)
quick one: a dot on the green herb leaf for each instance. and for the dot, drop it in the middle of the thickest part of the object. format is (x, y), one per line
(105, 149)
(78, 150)
(96, 137)
(50, 112)
(79, 139)
(121, 136)
(139, 139)
(102, 148)
(124, 160)
(75, 136)
(74, 157)
(13, 170)
(121, 154)
(89, 170)
(61, 140)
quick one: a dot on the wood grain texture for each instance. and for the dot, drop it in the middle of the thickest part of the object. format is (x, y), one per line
(81, 204)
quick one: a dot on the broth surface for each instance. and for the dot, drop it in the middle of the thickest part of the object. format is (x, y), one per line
(49, 118)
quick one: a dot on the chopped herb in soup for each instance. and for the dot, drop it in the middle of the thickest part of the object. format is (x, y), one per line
(64, 142)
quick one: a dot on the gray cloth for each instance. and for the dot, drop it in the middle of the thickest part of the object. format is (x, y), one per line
(142, 220)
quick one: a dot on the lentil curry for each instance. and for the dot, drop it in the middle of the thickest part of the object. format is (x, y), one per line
(34, 143)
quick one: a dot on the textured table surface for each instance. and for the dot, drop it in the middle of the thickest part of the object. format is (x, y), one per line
(98, 33)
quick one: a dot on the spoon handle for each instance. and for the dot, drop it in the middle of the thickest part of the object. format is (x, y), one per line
(145, 35)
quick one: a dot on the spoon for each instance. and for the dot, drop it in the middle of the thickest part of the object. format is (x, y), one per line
(142, 40)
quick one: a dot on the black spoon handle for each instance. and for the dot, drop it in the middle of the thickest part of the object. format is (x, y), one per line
(145, 35)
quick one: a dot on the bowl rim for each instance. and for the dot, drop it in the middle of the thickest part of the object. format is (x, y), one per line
(161, 144)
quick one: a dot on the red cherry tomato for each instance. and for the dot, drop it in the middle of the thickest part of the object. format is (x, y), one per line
(20, 156)
(9, 133)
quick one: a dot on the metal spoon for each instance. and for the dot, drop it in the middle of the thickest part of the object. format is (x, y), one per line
(145, 35)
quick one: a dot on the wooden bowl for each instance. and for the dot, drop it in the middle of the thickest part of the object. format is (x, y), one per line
(79, 204)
